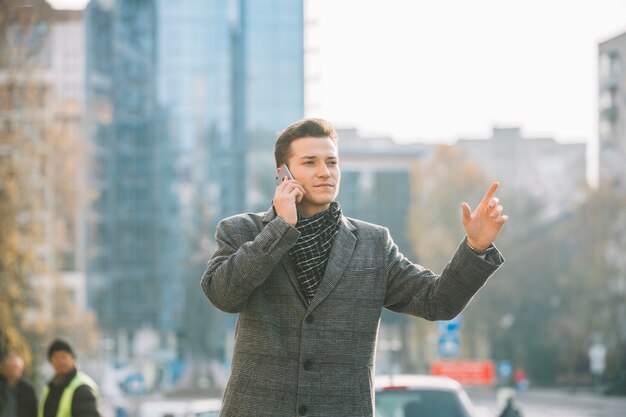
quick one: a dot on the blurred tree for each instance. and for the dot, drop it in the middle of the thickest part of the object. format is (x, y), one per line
(439, 186)
(21, 41)
(39, 167)
(16, 262)
(598, 277)
(509, 318)
(523, 305)
(562, 282)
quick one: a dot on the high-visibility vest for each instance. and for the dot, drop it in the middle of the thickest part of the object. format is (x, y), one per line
(65, 403)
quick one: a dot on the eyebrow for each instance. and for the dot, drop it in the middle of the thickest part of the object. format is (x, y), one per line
(315, 157)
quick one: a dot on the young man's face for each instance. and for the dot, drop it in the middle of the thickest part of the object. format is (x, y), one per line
(63, 362)
(314, 162)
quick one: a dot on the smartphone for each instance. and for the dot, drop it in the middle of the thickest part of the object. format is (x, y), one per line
(283, 173)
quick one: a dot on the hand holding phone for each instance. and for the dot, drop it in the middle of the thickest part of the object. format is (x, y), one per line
(288, 194)
(283, 173)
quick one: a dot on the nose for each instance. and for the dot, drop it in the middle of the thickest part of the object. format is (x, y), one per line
(323, 171)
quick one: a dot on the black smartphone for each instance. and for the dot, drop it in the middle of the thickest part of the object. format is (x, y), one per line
(283, 173)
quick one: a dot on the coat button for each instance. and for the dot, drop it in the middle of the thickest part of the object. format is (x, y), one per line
(309, 319)
(308, 364)
(302, 410)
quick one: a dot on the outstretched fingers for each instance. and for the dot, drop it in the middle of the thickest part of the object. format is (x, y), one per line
(467, 213)
(489, 194)
(483, 225)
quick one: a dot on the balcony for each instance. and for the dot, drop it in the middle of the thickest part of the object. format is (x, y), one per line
(610, 82)
(609, 113)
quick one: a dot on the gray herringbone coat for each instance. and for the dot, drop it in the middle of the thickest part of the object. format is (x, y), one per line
(290, 359)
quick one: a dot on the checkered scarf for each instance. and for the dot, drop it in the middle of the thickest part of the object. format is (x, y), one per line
(310, 253)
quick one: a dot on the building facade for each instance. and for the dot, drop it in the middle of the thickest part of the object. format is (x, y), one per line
(185, 99)
(376, 182)
(121, 127)
(548, 175)
(612, 111)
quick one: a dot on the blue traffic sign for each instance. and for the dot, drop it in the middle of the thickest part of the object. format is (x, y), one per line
(505, 369)
(449, 345)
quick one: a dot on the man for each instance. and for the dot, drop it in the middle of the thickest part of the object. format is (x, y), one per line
(17, 395)
(70, 393)
(310, 284)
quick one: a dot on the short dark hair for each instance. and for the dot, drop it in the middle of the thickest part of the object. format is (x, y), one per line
(312, 128)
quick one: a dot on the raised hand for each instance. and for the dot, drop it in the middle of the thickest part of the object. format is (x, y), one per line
(484, 224)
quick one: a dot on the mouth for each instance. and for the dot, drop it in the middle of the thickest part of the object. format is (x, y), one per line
(324, 186)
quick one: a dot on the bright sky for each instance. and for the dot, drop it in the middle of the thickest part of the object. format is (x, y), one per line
(439, 69)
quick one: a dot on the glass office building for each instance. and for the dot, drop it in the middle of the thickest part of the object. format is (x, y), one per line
(184, 101)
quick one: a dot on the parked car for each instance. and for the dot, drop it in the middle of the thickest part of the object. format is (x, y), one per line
(422, 396)
(180, 408)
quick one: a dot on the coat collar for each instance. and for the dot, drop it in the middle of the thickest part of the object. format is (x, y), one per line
(61, 382)
(270, 215)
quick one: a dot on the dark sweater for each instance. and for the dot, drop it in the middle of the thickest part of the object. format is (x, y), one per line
(26, 398)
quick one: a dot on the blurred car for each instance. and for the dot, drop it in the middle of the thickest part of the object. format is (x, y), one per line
(180, 408)
(422, 396)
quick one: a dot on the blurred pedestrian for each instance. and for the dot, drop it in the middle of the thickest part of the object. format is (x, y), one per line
(17, 394)
(310, 284)
(70, 393)
(521, 383)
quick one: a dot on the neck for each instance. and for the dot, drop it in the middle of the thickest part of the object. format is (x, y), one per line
(61, 377)
(307, 210)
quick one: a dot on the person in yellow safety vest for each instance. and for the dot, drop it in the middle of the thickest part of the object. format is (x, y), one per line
(71, 393)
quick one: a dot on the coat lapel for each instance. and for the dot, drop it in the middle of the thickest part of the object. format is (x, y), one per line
(340, 255)
(290, 268)
(286, 262)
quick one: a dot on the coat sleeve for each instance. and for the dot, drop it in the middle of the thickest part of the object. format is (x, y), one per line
(84, 403)
(244, 259)
(414, 290)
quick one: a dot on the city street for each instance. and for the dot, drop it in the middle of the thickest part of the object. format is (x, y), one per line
(260, 207)
(556, 403)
